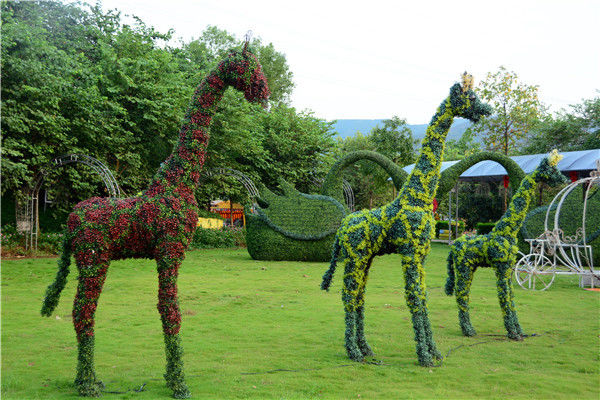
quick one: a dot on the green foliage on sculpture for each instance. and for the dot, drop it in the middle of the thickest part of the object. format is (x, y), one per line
(158, 224)
(450, 175)
(333, 181)
(268, 231)
(498, 250)
(405, 227)
(292, 226)
(299, 227)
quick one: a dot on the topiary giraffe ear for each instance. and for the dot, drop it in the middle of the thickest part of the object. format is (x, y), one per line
(554, 158)
(467, 82)
(247, 38)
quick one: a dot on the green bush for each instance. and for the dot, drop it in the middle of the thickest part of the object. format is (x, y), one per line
(484, 227)
(293, 226)
(439, 225)
(13, 243)
(218, 238)
(265, 243)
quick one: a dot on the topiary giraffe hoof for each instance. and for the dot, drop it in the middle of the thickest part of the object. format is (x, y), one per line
(182, 393)
(515, 336)
(436, 355)
(366, 350)
(90, 389)
(469, 332)
(355, 355)
(426, 362)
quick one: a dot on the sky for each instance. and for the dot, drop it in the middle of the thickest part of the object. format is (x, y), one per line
(377, 59)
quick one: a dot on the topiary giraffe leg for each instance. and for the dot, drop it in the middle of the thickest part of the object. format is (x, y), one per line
(168, 307)
(464, 278)
(350, 343)
(417, 304)
(91, 278)
(361, 340)
(350, 300)
(505, 297)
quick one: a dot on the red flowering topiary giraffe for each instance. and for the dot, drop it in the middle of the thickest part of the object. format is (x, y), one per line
(158, 225)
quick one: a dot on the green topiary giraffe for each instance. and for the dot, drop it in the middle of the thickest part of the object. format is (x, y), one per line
(404, 226)
(497, 249)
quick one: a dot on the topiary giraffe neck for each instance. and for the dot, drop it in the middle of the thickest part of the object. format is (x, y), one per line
(180, 172)
(420, 187)
(512, 220)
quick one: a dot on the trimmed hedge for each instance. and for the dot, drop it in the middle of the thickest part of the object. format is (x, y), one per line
(218, 238)
(264, 243)
(484, 227)
(293, 226)
(444, 225)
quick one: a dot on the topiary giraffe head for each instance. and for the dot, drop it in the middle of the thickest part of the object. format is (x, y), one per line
(548, 172)
(465, 103)
(242, 70)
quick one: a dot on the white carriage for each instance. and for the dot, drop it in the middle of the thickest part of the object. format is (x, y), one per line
(558, 253)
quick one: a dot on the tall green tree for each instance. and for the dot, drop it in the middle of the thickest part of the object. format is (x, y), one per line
(517, 109)
(575, 129)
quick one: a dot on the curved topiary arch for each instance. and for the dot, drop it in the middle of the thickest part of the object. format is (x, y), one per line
(333, 185)
(451, 175)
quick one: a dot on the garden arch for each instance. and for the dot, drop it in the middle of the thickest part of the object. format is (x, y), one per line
(239, 176)
(28, 216)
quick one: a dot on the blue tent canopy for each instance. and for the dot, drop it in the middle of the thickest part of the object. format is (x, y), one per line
(582, 161)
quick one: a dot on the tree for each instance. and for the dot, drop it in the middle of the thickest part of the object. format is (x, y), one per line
(463, 147)
(577, 129)
(76, 79)
(517, 109)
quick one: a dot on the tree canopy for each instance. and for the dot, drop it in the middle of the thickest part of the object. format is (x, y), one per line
(76, 79)
(516, 106)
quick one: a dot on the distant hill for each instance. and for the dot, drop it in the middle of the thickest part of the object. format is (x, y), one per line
(349, 127)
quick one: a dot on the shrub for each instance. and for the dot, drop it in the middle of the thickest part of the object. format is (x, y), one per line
(218, 238)
(13, 243)
(484, 227)
(294, 226)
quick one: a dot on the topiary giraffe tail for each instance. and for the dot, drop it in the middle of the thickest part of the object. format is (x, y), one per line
(450, 281)
(329, 274)
(53, 291)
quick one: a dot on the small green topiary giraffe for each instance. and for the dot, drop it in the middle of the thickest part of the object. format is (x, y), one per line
(498, 250)
(404, 226)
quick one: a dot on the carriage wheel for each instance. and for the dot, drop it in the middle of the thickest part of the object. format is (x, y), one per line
(535, 272)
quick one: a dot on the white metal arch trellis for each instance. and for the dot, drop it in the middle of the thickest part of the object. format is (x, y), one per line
(556, 253)
(28, 218)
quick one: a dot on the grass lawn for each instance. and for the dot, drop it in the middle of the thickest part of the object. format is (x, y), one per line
(245, 319)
